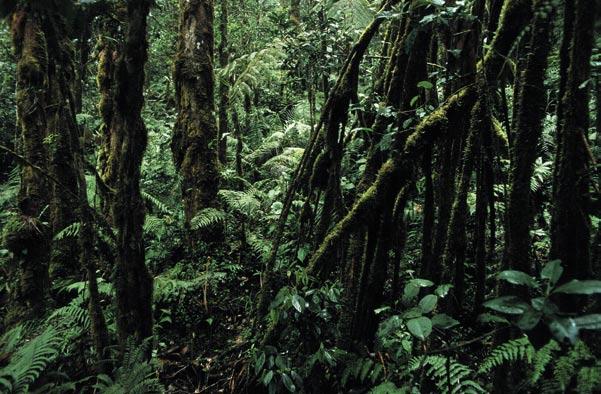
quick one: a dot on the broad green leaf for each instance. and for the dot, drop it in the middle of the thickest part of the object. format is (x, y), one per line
(507, 304)
(518, 278)
(288, 383)
(490, 318)
(410, 292)
(575, 286)
(259, 363)
(421, 282)
(428, 303)
(412, 313)
(425, 85)
(552, 271)
(544, 305)
(298, 302)
(589, 322)
(564, 329)
(443, 321)
(443, 290)
(267, 378)
(420, 327)
(529, 319)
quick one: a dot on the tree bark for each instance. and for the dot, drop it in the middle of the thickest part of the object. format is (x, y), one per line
(194, 144)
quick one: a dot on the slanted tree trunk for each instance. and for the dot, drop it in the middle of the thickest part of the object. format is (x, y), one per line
(26, 236)
(194, 143)
(570, 226)
(128, 136)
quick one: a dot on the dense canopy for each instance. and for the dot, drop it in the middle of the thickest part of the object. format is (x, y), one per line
(300, 196)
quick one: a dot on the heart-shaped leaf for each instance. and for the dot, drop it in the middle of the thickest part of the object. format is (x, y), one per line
(420, 327)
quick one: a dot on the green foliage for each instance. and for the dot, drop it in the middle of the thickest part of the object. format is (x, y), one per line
(71, 230)
(136, 374)
(449, 375)
(207, 217)
(30, 361)
(526, 314)
(509, 352)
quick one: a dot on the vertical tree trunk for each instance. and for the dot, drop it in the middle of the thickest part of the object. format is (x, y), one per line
(532, 105)
(570, 227)
(121, 110)
(26, 236)
(64, 136)
(194, 143)
(223, 85)
(295, 12)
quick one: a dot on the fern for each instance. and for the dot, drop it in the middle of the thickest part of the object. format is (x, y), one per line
(207, 217)
(11, 339)
(30, 361)
(136, 375)
(511, 351)
(161, 207)
(542, 172)
(542, 358)
(449, 375)
(71, 230)
(567, 366)
(241, 202)
(249, 71)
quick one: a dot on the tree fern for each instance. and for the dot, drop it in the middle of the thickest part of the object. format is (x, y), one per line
(30, 361)
(511, 351)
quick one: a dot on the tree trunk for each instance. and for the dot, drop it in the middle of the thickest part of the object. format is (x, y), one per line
(194, 143)
(570, 227)
(223, 85)
(532, 105)
(128, 137)
(26, 236)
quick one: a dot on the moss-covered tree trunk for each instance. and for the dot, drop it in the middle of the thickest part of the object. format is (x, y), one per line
(194, 143)
(128, 136)
(63, 136)
(532, 106)
(26, 236)
(570, 226)
(223, 85)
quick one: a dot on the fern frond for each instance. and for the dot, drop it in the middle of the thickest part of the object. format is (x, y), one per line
(71, 230)
(542, 358)
(28, 363)
(207, 217)
(449, 375)
(161, 207)
(568, 365)
(241, 202)
(10, 339)
(511, 351)
(136, 375)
